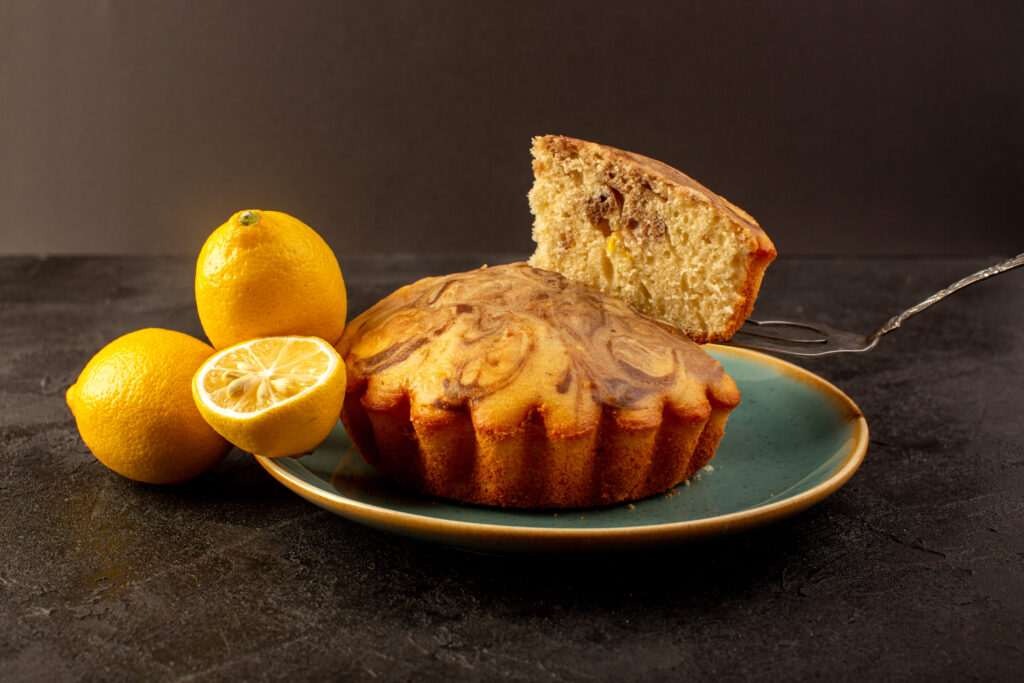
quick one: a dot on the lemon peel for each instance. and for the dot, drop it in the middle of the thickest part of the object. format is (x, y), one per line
(134, 410)
(266, 274)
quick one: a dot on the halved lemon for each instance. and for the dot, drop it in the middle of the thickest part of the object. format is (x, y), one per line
(274, 396)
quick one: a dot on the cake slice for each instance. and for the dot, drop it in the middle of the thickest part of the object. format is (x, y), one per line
(642, 231)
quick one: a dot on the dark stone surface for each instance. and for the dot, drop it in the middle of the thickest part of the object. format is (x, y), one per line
(913, 570)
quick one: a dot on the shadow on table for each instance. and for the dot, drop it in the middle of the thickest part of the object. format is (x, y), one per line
(333, 546)
(236, 524)
(774, 559)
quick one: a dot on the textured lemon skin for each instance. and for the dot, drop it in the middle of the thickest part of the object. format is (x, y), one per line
(295, 427)
(135, 412)
(274, 278)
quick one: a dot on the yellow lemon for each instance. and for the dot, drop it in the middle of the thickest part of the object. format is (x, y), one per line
(135, 412)
(266, 274)
(274, 397)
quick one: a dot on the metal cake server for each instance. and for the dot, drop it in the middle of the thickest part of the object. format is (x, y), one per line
(797, 338)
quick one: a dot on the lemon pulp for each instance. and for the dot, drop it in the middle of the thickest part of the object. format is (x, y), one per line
(263, 373)
(274, 396)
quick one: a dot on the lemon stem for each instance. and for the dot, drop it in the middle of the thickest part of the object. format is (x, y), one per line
(249, 218)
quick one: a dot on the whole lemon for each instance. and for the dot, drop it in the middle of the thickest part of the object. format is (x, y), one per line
(267, 274)
(134, 408)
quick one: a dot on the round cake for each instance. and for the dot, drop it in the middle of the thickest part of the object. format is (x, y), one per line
(515, 386)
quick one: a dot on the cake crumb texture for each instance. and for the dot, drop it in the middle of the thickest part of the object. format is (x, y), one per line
(647, 233)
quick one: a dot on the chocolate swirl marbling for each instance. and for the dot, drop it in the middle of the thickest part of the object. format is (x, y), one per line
(498, 352)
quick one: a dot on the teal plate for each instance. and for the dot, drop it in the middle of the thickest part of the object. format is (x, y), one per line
(794, 439)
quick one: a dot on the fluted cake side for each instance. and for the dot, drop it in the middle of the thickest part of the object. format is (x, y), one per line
(515, 386)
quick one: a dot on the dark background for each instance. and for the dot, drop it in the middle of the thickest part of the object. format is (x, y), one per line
(851, 128)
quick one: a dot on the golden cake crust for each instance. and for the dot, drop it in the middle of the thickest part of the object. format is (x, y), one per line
(516, 386)
(642, 165)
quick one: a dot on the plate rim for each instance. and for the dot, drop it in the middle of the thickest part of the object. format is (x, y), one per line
(505, 537)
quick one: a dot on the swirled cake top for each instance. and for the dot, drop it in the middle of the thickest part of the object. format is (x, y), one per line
(508, 340)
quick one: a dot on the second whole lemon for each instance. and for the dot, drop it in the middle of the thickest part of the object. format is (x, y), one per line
(134, 409)
(264, 274)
